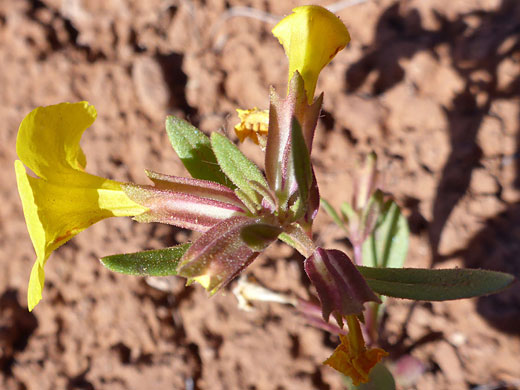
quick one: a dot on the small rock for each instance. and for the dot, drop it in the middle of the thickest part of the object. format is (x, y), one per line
(150, 87)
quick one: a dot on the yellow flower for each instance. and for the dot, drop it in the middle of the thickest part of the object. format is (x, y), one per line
(311, 37)
(253, 124)
(351, 357)
(63, 200)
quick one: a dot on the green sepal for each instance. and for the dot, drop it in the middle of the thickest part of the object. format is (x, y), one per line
(238, 168)
(434, 284)
(387, 246)
(301, 169)
(159, 262)
(194, 149)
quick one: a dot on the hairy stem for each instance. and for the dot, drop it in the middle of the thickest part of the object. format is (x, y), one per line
(296, 237)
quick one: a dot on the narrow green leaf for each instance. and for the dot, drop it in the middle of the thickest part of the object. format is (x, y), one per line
(348, 212)
(160, 262)
(236, 166)
(333, 214)
(434, 284)
(194, 149)
(387, 246)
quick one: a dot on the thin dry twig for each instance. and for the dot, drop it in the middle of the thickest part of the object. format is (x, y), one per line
(340, 5)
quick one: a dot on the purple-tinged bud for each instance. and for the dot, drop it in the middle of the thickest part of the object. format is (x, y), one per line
(341, 288)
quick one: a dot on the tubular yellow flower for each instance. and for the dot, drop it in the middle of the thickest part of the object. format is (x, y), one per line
(64, 199)
(351, 357)
(311, 36)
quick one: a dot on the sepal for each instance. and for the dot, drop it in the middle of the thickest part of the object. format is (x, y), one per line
(292, 122)
(187, 203)
(221, 253)
(341, 288)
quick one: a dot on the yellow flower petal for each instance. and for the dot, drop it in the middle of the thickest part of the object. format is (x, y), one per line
(48, 139)
(311, 37)
(253, 124)
(35, 288)
(65, 200)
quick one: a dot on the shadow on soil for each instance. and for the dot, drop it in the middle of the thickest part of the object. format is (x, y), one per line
(16, 327)
(497, 247)
(478, 43)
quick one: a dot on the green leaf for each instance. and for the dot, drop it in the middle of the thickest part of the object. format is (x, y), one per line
(380, 379)
(237, 166)
(348, 212)
(434, 284)
(194, 149)
(387, 246)
(160, 262)
(333, 214)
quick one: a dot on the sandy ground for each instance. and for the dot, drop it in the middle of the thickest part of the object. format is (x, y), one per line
(432, 86)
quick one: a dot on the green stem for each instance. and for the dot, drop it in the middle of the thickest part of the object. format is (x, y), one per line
(371, 318)
(296, 237)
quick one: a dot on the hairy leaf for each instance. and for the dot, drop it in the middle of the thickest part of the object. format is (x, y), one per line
(194, 149)
(434, 284)
(236, 166)
(160, 262)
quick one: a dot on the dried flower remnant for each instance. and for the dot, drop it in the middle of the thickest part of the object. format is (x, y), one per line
(253, 124)
(352, 358)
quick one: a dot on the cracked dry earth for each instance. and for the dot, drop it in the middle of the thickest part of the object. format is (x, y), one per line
(432, 86)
